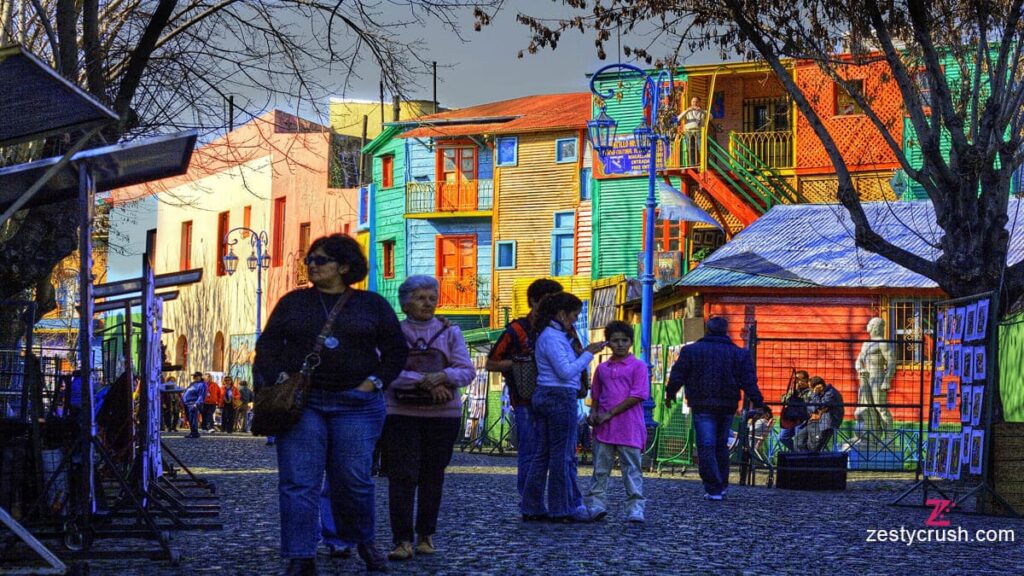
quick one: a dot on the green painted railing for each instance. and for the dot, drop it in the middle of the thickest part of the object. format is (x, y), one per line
(754, 164)
(742, 182)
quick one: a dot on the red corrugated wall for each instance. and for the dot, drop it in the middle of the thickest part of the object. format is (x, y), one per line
(821, 321)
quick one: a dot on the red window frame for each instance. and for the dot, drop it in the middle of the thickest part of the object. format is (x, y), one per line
(387, 169)
(277, 253)
(223, 225)
(185, 254)
(388, 258)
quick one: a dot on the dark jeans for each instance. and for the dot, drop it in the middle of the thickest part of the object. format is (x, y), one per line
(193, 421)
(526, 444)
(554, 463)
(712, 432)
(208, 410)
(337, 432)
(416, 450)
(227, 418)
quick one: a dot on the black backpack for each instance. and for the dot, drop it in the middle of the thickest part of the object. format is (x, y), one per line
(794, 412)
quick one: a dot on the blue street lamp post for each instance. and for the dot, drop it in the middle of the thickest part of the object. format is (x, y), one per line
(258, 260)
(601, 133)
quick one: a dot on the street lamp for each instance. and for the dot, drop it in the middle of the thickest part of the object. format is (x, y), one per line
(601, 132)
(258, 260)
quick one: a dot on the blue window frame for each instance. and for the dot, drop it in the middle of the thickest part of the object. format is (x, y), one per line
(562, 244)
(585, 184)
(364, 207)
(506, 254)
(567, 150)
(507, 151)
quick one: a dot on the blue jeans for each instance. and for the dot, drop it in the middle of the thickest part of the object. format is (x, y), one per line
(712, 432)
(554, 462)
(526, 444)
(328, 530)
(193, 421)
(787, 435)
(337, 433)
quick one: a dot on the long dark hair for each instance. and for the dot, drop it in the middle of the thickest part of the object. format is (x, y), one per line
(551, 305)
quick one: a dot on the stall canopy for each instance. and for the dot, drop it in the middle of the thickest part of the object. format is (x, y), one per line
(111, 166)
(37, 102)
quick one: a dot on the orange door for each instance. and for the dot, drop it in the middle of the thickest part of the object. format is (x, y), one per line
(456, 271)
(457, 180)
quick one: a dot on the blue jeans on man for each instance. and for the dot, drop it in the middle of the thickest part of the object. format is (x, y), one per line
(554, 462)
(337, 433)
(712, 432)
(526, 444)
(787, 436)
(193, 421)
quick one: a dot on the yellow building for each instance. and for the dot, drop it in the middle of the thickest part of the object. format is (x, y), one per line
(347, 115)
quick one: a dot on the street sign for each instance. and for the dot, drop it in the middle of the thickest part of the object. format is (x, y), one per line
(108, 305)
(135, 285)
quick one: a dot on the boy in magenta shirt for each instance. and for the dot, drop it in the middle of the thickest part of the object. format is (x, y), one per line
(620, 386)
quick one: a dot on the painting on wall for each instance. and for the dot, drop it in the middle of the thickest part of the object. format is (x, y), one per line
(977, 448)
(980, 363)
(966, 373)
(965, 445)
(241, 353)
(966, 399)
(981, 324)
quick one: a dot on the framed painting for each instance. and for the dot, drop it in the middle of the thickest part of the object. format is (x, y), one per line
(967, 369)
(937, 385)
(940, 326)
(958, 323)
(977, 450)
(981, 325)
(969, 316)
(936, 416)
(930, 455)
(951, 395)
(953, 467)
(977, 400)
(940, 367)
(966, 397)
(980, 364)
(942, 456)
(955, 361)
(965, 445)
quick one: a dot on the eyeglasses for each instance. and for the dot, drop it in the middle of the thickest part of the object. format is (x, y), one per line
(318, 260)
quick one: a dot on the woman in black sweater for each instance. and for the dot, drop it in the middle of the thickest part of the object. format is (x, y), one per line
(345, 410)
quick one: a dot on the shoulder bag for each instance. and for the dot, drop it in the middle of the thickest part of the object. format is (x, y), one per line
(279, 407)
(423, 358)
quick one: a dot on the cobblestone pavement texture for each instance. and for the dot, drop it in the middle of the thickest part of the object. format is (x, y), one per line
(756, 531)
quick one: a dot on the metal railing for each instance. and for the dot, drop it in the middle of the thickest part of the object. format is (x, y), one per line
(458, 292)
(773, 147)
(464, 196)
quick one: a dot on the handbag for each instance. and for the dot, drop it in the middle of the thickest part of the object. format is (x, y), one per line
(422, 358)
(524, 372)
(279, 407)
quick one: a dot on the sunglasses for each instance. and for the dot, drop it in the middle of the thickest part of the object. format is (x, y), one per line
(318, 260)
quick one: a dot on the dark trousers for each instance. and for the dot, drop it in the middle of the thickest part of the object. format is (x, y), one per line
(416, 451)
(712, 432)
(227, 418)
(193, 421)
(208, 410)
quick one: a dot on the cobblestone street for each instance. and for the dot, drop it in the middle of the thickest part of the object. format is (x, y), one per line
(756, 531)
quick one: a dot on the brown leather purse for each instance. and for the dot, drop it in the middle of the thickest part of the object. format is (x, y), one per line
(279, 407)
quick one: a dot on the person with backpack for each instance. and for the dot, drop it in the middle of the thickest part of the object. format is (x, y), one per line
(794, 408)
(424, 414)
(516, 345)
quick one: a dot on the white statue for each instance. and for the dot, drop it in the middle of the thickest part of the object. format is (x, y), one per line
(876, 366)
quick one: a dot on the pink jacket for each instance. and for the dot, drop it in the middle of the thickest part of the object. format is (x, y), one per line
(460, 370)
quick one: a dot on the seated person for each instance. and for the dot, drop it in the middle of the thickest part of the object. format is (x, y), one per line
(802, 388)
(826, 408)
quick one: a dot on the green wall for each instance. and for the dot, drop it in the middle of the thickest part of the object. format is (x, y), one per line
(1011, 367)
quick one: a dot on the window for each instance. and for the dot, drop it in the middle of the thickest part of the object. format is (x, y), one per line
(151, 245)
(910, 325)
(304, 237)
(348, 229)
(246, 219)
(507, 151)
(387, 171)
(456, 174)
(185, 258)
(562, 244)
(277, 253)
(506, 254)
(388, 256)
(364, 207)
(223, 223)
(585, 181)
(566, 150)
(218, 352)
(845, 103)
(181, 352)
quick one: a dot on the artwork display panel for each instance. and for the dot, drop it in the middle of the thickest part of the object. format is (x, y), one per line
(977, 399)
(967, 370)
(955, 360)
(936, 415)
(977, 450)
(942, 456)
(969, 324)
(940, 326)
(981, 326)
(953, 467)
(958, 324)
(965, 445)
(951, 388)
(930, 454)
(966, 398)
(980, 363)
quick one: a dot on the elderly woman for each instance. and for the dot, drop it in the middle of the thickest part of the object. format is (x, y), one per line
(424, 415)
(344, 413)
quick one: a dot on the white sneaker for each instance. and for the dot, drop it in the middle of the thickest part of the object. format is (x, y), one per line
(715, 497)
(636, 516)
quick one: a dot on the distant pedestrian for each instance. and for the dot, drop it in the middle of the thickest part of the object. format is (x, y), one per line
(517, 342)
(212, 401)
(228, 405)
(170, 400)
(621, 384)
(344, 410)
(424, 416)
(193, 399)
(826, 409)
(713, 371)
(245, 409)
(555, 412)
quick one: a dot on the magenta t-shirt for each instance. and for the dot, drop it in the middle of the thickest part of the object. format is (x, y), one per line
(614, 381)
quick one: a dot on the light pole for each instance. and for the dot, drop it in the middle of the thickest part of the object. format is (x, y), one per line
(601, 133)
(258, 260)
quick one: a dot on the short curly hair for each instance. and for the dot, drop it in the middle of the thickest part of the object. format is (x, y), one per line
(345, 250)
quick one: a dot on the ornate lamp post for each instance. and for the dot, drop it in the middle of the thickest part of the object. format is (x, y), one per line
(258, 260)
(601, 133)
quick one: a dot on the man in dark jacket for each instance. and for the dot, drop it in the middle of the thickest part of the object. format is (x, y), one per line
(712, 371)
(826, 408)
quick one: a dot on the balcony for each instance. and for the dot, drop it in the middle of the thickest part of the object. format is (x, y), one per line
(432, 199)
(463, 292)
(774, 148)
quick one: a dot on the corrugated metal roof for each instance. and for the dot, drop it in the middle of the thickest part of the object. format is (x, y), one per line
(812, 245)
(533, 114)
